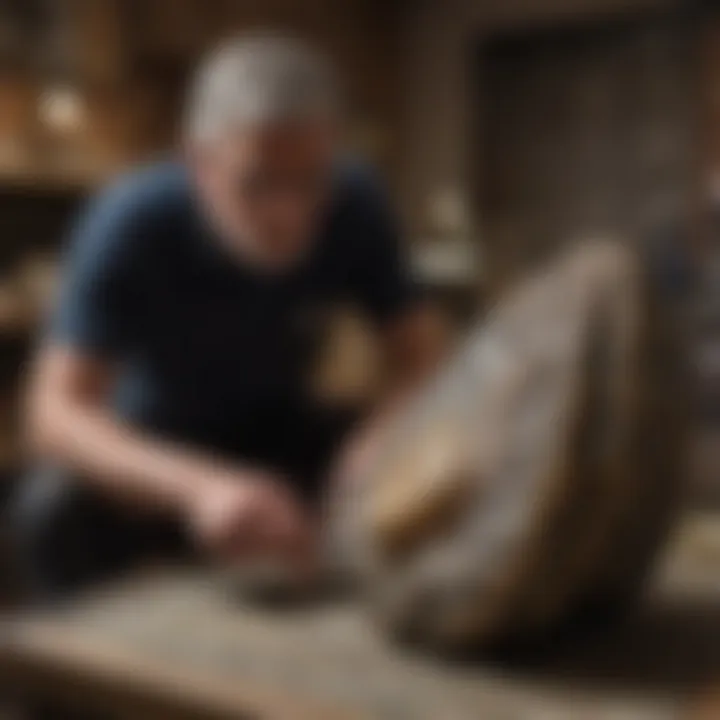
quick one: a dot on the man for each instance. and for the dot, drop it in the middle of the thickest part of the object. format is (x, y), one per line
(170, 398)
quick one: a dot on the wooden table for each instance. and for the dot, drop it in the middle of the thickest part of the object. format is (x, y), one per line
(176, 645)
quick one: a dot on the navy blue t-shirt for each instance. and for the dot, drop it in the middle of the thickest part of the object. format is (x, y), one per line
(209, 351)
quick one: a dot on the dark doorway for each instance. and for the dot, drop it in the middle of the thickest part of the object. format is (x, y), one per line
(585, 130)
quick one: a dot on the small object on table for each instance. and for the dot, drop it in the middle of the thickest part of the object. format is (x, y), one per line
(268, 583)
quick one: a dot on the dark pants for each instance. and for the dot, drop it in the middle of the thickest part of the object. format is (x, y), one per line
(66, 537)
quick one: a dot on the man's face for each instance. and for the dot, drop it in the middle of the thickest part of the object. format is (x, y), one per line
(265, 188)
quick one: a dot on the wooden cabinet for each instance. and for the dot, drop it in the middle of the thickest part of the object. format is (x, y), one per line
(588, 131)
(17, 110)
(102, 40)
(172, 29)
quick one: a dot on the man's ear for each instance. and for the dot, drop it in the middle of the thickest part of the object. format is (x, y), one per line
(192, 156)
(197, 156)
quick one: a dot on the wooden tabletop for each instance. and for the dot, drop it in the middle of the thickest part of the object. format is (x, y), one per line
(178, 644)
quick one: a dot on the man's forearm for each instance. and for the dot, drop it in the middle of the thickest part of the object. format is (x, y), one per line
(120, 461)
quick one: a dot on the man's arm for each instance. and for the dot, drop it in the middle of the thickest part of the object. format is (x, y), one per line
(415, 342)
(413, 345)
(411, 329)
(97, 323)
(68, 422)
(232, 511)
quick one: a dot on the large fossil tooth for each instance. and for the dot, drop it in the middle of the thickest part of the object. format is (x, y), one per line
(515, 489)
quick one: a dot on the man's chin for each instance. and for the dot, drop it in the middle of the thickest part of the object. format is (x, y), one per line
(281, 262)
(270, 261)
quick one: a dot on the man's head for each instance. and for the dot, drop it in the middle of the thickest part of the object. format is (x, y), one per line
(261, 135)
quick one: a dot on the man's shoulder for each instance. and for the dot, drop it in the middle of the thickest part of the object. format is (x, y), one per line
(151, 191)
(132, 213)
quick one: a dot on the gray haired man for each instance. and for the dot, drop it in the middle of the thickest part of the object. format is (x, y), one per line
(169, 403)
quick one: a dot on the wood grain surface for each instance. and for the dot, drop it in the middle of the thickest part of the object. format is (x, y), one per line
(177, 644)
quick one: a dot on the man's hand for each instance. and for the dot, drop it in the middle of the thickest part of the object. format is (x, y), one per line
(233, 513)
(251, 515)
(415, 344)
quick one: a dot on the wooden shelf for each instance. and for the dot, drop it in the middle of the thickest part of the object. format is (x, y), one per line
(44, 180)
